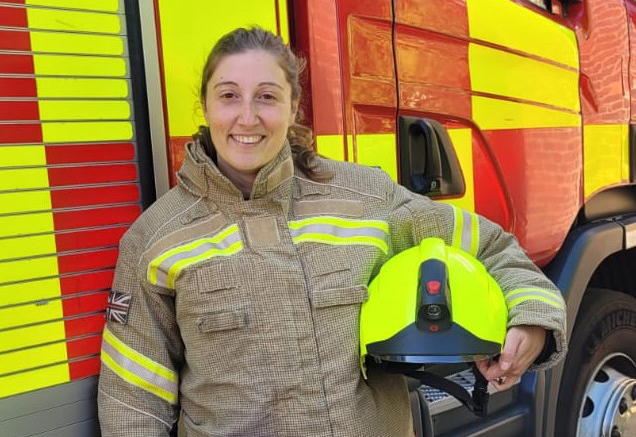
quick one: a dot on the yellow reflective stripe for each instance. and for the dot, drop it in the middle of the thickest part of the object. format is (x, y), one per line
(32, 357)
(15, 156)
(520, 28)
(27, 178)
(465, 231)
(22, 247)
(458, 224)
(76, 21)
(133, 379)
(605, 156)
(21, 292)
(24, 269)
(24, 224)
(341, 241)
(31, 335)
(138, 358)
(84, 110)
(492, 114)
(495, 71)
(24, 201)
(341, 222)
(63, 65)
(58, 132)
(97, 5)
(34, 379)
(71, 87)
(175, 269)
(60, 42)
(474, 232)
(519, 295)
(19, 315)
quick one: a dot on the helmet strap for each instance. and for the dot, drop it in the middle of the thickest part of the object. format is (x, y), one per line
(477, 403)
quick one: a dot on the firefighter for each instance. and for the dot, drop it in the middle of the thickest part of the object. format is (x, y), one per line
(236, 298)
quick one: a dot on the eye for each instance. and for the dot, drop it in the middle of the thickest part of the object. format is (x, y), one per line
(227, 95)
(268, 97)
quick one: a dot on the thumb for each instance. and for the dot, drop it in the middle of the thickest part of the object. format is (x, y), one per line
(511, 345)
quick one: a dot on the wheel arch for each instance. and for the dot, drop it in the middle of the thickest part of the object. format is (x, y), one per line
(586, 258)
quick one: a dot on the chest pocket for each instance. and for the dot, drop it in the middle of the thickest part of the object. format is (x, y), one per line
(218, 325)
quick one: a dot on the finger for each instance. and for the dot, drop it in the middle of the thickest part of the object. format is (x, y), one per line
(504, 382)
(511, 346)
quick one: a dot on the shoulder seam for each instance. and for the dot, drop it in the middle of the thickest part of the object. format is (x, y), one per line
(341, 187)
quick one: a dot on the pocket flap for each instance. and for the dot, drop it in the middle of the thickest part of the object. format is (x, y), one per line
(325, 262)
(215, 278)
(340, 296)
(223, 320)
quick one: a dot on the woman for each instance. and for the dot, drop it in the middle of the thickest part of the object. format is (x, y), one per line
(236, 295)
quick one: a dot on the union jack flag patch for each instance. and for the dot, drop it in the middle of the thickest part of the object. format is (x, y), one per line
(118, 306)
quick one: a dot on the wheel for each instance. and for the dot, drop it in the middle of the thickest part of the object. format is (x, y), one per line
(597, 397)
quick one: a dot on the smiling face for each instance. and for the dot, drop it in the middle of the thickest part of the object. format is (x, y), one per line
(249, 109)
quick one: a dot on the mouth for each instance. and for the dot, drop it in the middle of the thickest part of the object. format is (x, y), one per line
(248, 140)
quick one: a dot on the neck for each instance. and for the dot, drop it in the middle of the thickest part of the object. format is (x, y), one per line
(243, 181)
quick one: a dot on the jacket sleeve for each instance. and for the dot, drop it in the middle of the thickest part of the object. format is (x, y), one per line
(532, 299)
(141, 352)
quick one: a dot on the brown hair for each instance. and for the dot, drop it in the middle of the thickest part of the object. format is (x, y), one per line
(241, 40)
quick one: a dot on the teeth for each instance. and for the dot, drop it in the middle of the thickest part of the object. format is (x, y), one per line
(247, 139)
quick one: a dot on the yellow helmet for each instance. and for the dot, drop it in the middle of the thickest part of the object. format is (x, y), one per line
(432, 303)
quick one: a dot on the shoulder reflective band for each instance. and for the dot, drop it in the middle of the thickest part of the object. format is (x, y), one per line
(341, 231)
(552, 298)
(138, 370)
(165, 269)
(465, 230)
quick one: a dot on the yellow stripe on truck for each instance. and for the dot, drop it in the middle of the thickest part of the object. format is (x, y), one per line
(87, 131)
(41, 311)
(491, 114)
(83, 88)
(77, 43)
(24, 178)
(22, 247)
(74, 21)
(32, 357)
(24, 224)
(605, 156)
(24, 201)
(30, 335)
(31, 291)
(95, 5)
(510, 75)
(33, 380)
(84, 110)
(65, 65)
(14, 156)
(519, 28)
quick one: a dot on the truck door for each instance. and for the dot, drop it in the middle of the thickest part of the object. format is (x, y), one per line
(73, 176)
(502, 76)
(354, 98)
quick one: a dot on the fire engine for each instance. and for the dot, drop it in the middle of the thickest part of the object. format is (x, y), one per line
(521, 110)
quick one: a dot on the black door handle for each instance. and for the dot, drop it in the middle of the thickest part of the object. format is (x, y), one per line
(428, 164)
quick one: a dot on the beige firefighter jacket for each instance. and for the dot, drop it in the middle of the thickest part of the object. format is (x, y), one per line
(244, 313)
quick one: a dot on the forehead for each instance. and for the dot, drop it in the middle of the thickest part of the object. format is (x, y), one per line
(248, 69)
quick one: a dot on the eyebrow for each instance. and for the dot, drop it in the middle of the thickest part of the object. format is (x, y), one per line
(229, 82)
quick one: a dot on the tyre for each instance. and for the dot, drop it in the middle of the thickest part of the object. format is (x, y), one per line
(597, 397)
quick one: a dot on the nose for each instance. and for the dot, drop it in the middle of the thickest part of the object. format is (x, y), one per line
(248, 115)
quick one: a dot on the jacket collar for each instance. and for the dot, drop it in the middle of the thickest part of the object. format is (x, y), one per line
(200, 176)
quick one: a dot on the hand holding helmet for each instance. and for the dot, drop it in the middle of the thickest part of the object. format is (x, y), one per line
(522, 346)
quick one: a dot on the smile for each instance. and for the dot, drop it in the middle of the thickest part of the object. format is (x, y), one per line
(247, 139)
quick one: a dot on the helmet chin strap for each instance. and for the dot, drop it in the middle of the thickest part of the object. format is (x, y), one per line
(477, 403)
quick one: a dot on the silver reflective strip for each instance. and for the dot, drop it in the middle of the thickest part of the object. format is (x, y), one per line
(466, 230)
(140, 371)
(544, 294)
(165, 265)
(337, 231)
